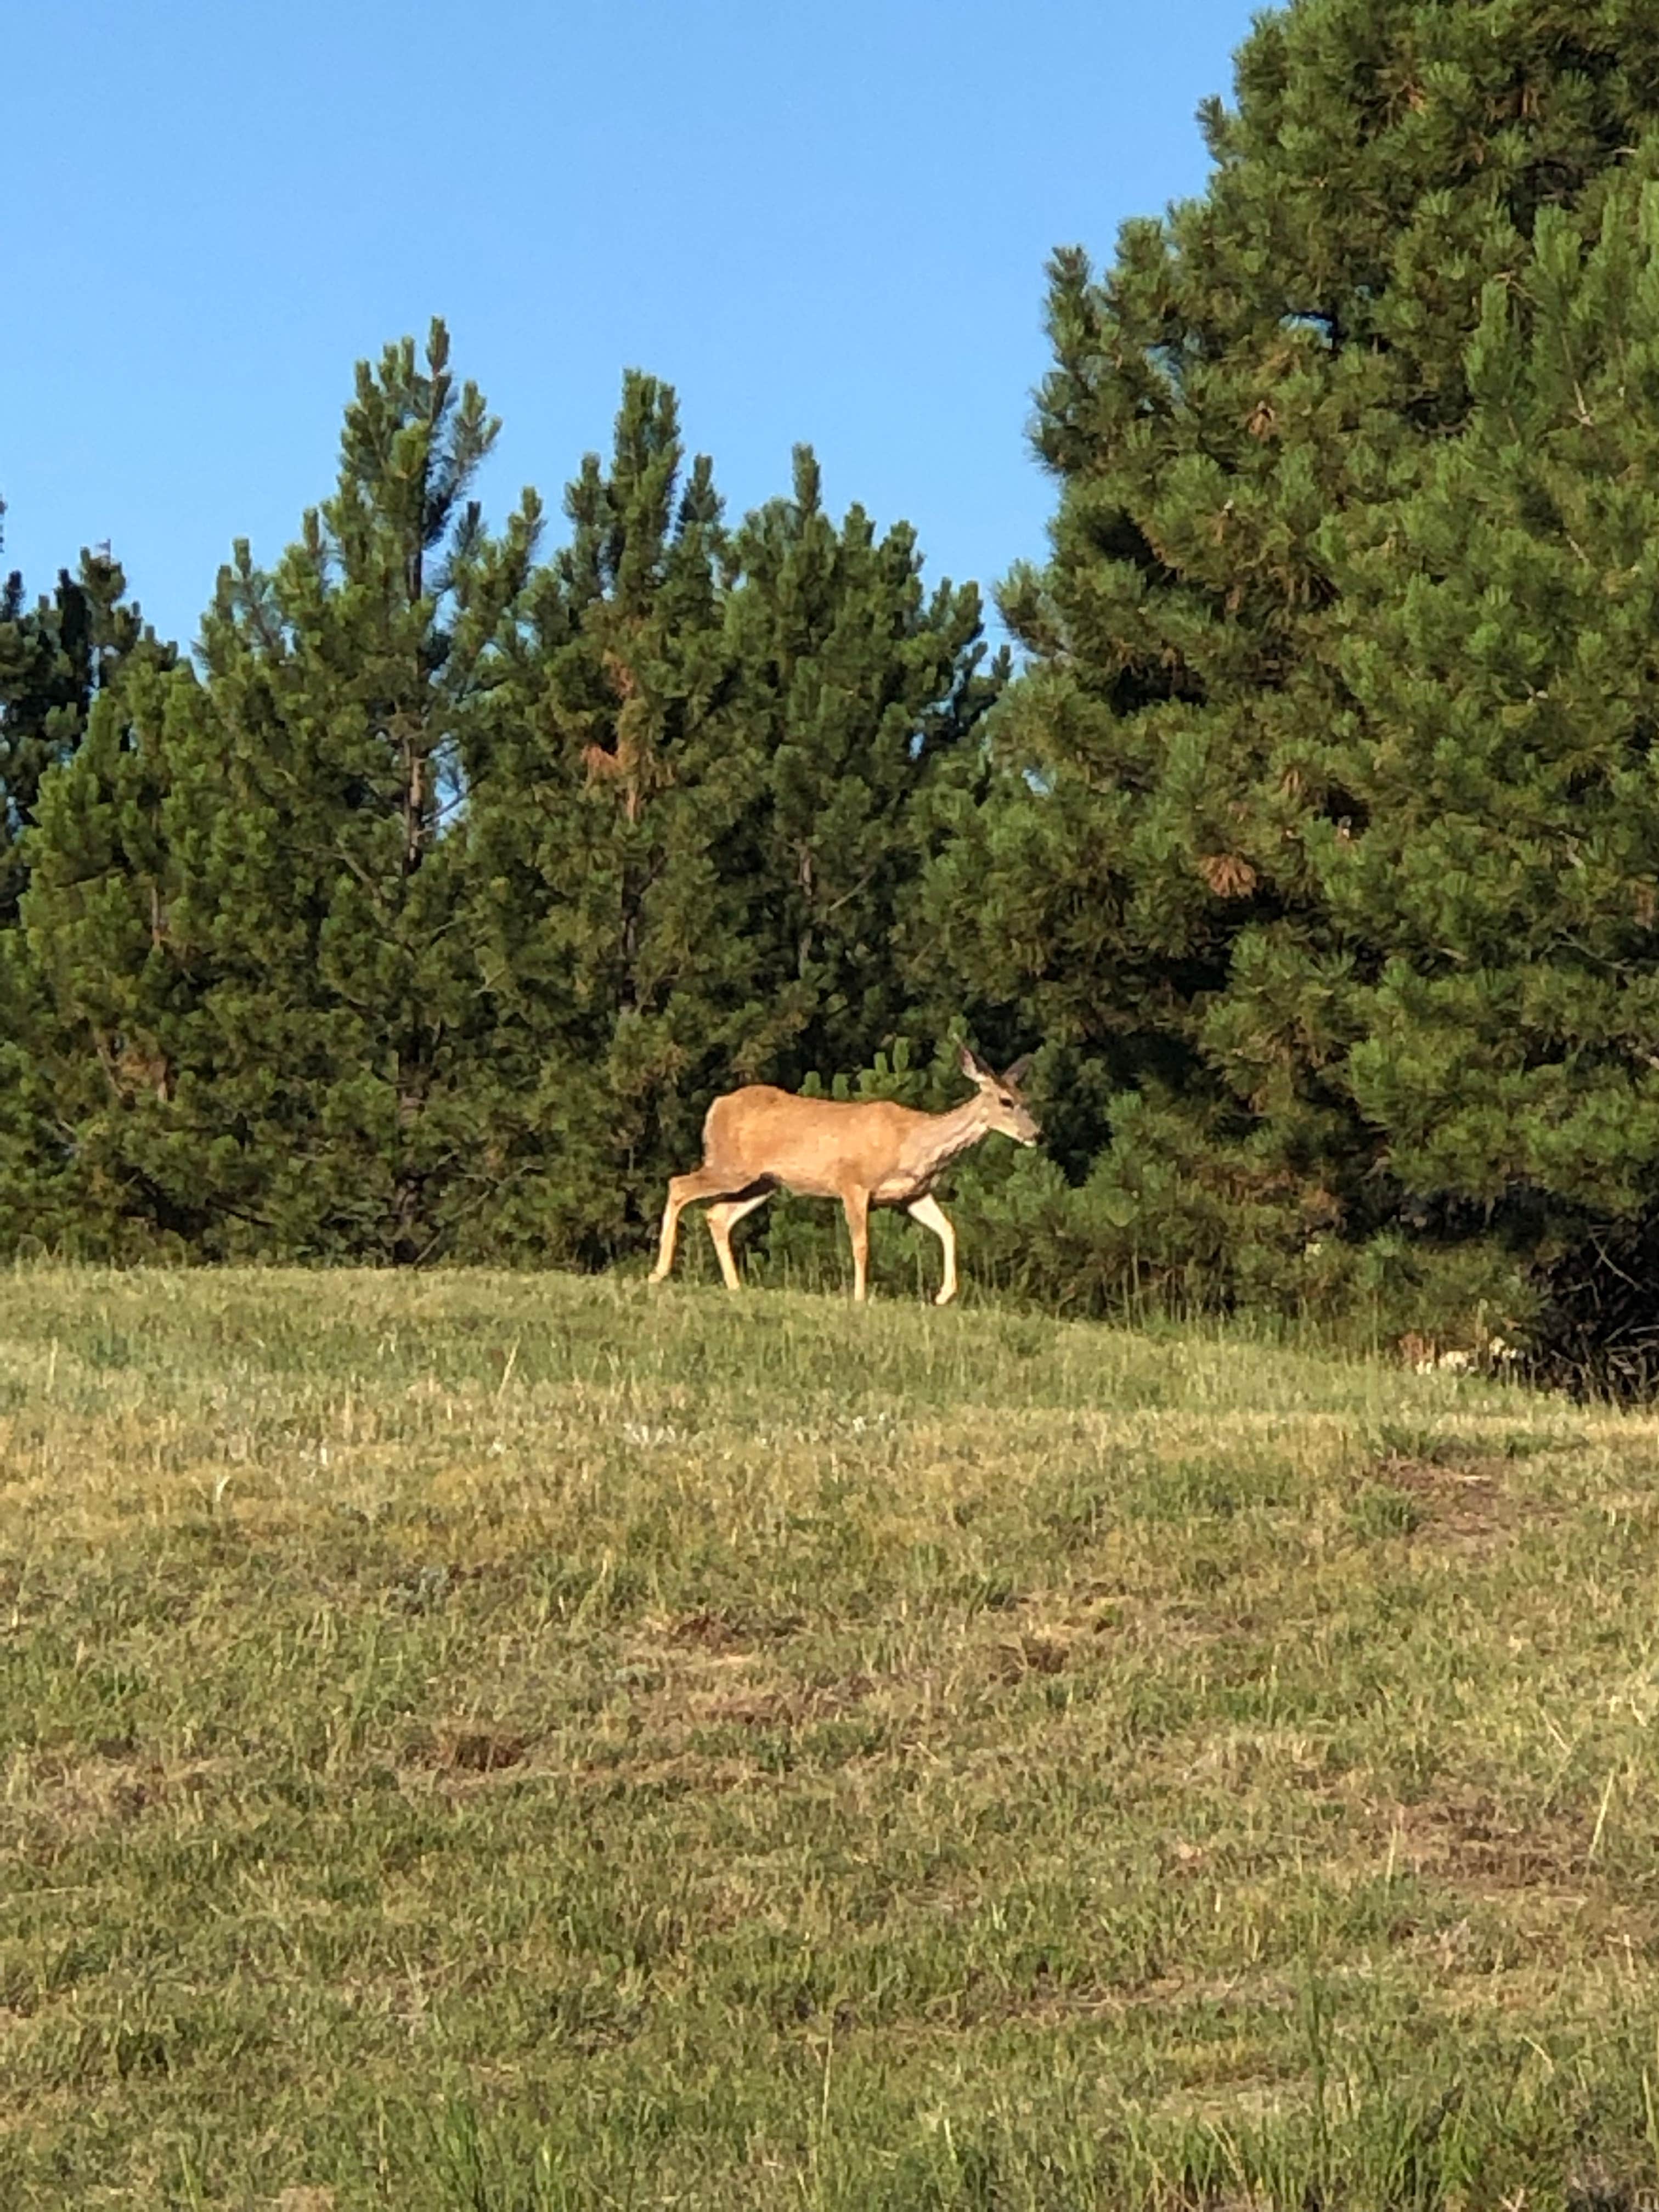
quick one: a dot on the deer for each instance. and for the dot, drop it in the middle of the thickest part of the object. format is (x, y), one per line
(865, 1152)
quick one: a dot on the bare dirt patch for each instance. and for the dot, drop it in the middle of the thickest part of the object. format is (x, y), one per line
(712, 1630)
(1030, 1654)
(471, 1748)
(109, 1788)
(789, 1708)
(1466, 1505)
(1469, 1836)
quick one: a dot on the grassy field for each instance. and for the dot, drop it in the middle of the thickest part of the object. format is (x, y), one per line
(507, 1743)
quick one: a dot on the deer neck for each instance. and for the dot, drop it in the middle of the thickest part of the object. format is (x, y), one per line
(944, 1138)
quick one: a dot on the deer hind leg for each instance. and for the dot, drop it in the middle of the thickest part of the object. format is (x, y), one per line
(683, 1191)
(722, 1219)
(855, 1204)
(931, 1214)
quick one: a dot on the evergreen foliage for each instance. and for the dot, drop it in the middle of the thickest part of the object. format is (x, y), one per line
(863, 699)
(63, 662)
(607, 778)
(696, 818)
(1500, 893)
(246, 897)
(1204, 871)
(55, 658)
(429, 913)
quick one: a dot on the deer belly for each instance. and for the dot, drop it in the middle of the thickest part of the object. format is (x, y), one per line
(808, 1185)
(807, 1177)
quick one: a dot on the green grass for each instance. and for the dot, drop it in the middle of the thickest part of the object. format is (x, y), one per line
(488, 1741)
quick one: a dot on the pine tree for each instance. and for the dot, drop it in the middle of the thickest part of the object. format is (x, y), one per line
(342, 684)
(608, 775)
(245, 894)
(695, 818)
(63, 662)
(55, 658)
(1498, 887)
(1255, 378)
(107, 1004)
(861, 696)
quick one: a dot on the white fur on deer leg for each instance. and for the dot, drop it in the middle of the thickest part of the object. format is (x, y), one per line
(931, 1214)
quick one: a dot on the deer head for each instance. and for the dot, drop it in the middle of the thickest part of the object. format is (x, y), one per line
(1006, 1112)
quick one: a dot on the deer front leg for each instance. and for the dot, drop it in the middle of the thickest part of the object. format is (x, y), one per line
(928, 1211)
(722, 1220)
(855, 1204)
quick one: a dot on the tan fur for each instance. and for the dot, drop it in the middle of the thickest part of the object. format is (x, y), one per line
(757, 1140)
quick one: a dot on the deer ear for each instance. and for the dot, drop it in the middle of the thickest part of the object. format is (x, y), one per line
(971, 1067)
(1021, 1068)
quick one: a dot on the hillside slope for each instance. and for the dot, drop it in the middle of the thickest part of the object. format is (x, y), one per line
(511, 1741)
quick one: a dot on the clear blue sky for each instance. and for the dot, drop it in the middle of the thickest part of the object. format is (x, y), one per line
(819, 219)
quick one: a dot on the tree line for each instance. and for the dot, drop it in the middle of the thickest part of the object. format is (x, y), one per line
(424, 910)
(1314, 843)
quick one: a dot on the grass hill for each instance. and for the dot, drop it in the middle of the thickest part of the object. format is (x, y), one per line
(512, 1742)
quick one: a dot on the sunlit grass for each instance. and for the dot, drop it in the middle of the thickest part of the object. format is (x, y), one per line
(496, 1741)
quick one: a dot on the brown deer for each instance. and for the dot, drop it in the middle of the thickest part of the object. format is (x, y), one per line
(865, 1153)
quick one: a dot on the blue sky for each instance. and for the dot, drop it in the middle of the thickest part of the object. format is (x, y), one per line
(821, 219)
